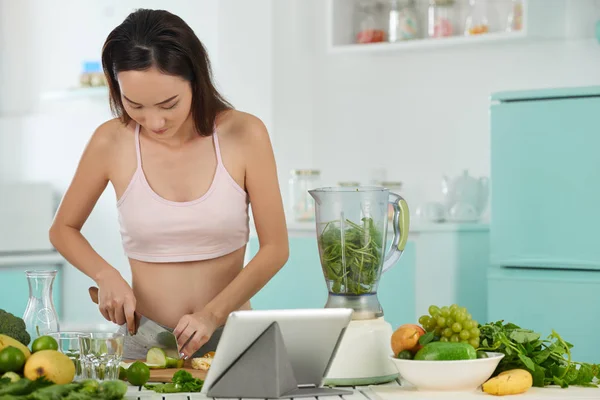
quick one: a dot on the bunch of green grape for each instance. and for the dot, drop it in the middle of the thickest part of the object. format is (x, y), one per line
(451, 324)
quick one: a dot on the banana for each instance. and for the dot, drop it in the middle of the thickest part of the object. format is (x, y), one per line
(514, 381)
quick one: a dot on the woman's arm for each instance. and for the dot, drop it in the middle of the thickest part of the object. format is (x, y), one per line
(117, 303)
(262, 186)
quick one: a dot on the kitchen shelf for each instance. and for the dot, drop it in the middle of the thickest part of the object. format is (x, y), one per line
(542, 19)
(100, 93)
(416, 44)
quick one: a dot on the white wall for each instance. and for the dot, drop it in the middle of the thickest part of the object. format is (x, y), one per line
(418, 114)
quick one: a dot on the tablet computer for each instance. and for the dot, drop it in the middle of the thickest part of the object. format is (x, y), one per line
(310, 336)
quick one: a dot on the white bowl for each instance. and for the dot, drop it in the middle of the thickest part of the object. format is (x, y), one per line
(459, 375)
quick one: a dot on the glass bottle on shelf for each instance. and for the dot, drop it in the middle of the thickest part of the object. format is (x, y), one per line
(369, 22)
(515, 17)
(302, 206)
(477, 20)
(441, 18)
(402, 21)
(40, 315)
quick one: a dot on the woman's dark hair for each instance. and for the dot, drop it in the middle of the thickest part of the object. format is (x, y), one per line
(158, 38)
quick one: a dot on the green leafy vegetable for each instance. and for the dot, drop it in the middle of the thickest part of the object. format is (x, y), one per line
(182, 382)
(351, 256)
(548, 360)
(41, 389)
(14, 326)
(426, 338)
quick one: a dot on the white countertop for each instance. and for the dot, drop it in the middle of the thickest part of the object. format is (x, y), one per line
(393, 391)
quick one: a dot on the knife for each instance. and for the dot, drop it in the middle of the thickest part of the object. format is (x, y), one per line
(148, 334)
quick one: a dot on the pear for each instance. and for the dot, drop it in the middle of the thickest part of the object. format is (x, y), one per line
(51, 364)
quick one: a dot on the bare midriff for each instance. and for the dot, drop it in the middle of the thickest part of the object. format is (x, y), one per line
(165, 292)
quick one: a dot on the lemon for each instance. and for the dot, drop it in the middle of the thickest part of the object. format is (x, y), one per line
(11, 359)
(138, 373)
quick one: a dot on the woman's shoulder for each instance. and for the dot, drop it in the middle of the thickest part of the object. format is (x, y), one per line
(111, 134)
(241, 127)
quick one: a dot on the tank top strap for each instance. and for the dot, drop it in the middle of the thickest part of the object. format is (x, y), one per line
(137, 146)
(217, 147)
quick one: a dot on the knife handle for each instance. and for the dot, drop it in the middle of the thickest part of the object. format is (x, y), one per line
(94, 295)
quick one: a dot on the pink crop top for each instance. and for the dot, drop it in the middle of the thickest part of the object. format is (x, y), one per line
(154, 229)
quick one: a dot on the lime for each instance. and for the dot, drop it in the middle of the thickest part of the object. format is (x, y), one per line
(405, 355)
(122, 373)
(44, 343)
(157, 356)
(138, 373)
(11, 359)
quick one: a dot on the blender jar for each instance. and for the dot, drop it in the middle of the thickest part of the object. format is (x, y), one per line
(351, 235)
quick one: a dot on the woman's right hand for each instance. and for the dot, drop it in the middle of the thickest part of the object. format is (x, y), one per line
(116, 300)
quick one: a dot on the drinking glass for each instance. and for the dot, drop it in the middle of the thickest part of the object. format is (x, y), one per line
(68, 344)
(101, 354)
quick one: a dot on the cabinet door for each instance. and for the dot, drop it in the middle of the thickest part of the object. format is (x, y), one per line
(545, 178)
(14, 289)
(543, 300)
(300, 283)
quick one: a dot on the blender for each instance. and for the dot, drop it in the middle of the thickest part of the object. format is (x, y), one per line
(352, 225)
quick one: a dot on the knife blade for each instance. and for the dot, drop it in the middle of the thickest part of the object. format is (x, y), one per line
(147, 335)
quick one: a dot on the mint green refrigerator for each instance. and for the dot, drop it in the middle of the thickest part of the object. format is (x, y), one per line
(545, 214)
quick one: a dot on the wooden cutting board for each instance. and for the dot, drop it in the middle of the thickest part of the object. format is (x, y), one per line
(166, 375)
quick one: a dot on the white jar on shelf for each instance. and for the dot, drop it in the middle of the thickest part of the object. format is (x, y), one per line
(302, 205)
(441, 18)
(402, 21)
(477, 19)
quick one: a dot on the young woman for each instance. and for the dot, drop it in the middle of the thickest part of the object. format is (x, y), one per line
(184, 166)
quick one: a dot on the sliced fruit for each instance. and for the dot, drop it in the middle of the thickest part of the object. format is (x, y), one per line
(12, 376)
(174, 362)
(126, 365)
(6, 341)
(138, 373)
(157, 356)
(202, 363)
(44, 343)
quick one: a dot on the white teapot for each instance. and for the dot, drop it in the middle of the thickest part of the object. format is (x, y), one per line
(465, 197)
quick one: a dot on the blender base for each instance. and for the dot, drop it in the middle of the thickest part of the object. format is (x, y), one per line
(363, 357)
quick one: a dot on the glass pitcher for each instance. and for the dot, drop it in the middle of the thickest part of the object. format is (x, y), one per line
(40, 315)
(351, 235)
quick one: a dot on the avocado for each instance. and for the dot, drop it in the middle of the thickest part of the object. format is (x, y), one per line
(446, 351)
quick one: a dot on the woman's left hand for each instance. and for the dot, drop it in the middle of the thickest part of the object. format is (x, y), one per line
(199, 327)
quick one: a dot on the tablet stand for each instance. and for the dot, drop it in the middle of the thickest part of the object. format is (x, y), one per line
(264, 371)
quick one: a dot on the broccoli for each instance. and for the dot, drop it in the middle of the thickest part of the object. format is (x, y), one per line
(14, 327)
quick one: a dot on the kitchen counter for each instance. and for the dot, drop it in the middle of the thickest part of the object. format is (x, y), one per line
(394, 391)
